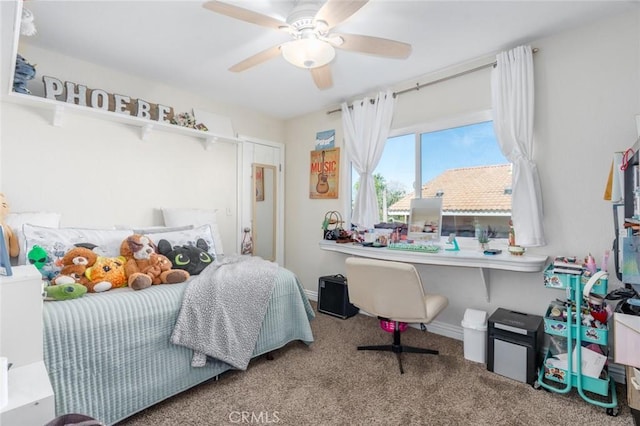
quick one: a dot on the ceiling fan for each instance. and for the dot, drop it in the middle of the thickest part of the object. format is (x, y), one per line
(312, 45)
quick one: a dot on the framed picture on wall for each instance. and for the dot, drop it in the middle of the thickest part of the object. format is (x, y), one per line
(324, 173)
(5, 265)
(325, 140)
(259, 183)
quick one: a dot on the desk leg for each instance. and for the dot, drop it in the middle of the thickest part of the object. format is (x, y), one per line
(484, 275)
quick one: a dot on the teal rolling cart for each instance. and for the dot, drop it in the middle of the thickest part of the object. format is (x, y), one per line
(569, 325)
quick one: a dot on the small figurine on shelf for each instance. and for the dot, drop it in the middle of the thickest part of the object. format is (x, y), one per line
(184, 119)
(247, 242)
(512, 234)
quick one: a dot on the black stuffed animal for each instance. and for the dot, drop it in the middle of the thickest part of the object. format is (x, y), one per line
(190, 258)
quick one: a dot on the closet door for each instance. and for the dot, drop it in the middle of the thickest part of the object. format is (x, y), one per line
(262, 197)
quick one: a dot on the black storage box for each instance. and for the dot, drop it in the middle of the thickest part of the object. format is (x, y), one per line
(514, 346)
(333, 297)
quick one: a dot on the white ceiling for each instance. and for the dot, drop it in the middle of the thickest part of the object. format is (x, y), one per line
(184, 45)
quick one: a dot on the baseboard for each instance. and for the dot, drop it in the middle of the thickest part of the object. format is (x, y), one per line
(443, 329)
(616, 371)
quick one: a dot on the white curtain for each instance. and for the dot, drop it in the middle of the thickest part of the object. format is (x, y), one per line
(513, 103)
(366, 128)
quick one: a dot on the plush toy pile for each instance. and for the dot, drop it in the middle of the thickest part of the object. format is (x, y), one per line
(145, 266)
(139, 266)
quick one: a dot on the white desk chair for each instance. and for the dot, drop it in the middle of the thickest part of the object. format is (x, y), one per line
(392, 291)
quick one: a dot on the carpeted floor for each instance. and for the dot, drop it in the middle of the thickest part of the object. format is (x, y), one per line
(331, 383)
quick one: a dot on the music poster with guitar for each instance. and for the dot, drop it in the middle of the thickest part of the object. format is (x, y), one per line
(325, 177)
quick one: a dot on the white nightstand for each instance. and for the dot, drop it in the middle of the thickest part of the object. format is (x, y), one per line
(30, 396)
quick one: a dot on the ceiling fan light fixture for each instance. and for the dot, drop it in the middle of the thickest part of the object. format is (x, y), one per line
(308, 52)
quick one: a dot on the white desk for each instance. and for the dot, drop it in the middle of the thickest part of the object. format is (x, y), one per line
(463, 258)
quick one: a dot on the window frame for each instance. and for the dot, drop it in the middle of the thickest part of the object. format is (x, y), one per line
(438, 124)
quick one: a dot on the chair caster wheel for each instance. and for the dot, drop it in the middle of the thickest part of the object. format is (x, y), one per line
(613, 412)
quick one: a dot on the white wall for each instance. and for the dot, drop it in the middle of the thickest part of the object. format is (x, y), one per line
(100, 173)
(587, 95)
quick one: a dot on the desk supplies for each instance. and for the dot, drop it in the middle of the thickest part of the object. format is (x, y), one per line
(492, 251)
(332, 225)
(452, 240)
(373, 244)
(424, 248)
(516, 250)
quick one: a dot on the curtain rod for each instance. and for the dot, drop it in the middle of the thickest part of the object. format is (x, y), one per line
(419, 86)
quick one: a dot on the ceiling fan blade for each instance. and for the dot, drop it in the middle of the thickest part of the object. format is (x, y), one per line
(256, 59)
(371, 45)
(333, 12)
(244, 14)
(322, 77)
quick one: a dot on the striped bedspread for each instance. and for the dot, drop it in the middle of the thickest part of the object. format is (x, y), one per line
(109, 355)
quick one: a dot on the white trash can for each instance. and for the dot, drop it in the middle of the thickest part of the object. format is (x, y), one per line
(474, 324)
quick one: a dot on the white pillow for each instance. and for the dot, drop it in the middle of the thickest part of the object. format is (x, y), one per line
(57, 241)
(195, 217)
(186, 237)
(16, 220)
(156, 229)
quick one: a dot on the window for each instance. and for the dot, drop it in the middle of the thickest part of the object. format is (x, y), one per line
(457, 159)
(394, 176)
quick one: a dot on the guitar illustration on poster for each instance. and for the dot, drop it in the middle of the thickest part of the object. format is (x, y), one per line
(322, 187)
(324, 173)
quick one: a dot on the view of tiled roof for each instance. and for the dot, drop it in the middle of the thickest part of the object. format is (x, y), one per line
(483, 189)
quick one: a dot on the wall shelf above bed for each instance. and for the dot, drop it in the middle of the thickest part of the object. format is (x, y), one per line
(59, 109)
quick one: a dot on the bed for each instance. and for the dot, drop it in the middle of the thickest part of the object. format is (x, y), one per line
(109, 355)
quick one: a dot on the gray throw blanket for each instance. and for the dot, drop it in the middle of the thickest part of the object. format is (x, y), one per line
(223, 309)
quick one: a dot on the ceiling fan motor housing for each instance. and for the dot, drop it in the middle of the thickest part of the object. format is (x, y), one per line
(302, 20)
(308, 49)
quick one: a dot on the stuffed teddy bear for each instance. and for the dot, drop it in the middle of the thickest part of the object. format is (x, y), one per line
(106, 273)
(190, 258)
(11, 239)
(157, 265)
(74, 265)
(145, 267)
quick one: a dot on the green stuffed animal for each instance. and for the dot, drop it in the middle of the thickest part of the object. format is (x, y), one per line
(39, 258)
(65, 291)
